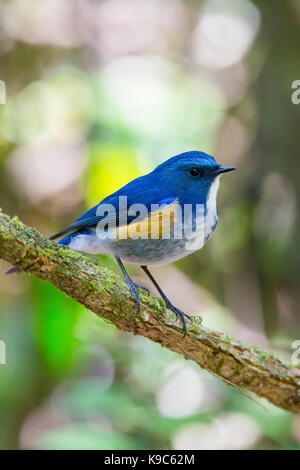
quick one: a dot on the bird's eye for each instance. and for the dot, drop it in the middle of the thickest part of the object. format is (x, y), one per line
(196, 172)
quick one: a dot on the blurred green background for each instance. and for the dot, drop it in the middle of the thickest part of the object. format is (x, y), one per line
(97, 93)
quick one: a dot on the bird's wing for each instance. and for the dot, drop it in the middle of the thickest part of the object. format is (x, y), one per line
(135, 193)
(86, 220)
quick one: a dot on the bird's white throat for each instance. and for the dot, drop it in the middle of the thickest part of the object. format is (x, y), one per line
(211, 216)
(211, 203)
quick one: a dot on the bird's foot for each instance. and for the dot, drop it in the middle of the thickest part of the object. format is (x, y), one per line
(179, 314)
(143, 288)
(134, 291)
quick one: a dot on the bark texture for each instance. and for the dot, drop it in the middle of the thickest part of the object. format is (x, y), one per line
(103, 292)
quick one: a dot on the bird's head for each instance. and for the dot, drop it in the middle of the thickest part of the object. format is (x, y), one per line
(192, 171)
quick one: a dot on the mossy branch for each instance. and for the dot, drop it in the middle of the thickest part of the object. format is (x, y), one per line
(102, 291)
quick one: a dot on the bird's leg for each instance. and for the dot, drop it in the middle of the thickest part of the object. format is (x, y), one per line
(133, 287)
(169, 305)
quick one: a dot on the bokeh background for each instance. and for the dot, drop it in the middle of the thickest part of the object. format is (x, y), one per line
(97, 93)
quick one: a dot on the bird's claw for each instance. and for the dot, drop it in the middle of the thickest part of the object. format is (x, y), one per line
(134, 292)
(179, 314)
(143, 288)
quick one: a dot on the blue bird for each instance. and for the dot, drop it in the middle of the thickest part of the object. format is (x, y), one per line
(155, 219)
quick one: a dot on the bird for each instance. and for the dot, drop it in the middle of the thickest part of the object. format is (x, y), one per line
(156, 219)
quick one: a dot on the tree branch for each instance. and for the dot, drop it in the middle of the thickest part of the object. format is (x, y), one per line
(102, 291)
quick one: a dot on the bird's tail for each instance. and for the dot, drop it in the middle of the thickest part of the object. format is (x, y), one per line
(13, 269)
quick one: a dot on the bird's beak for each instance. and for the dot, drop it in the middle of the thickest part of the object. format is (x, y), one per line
(225, 169)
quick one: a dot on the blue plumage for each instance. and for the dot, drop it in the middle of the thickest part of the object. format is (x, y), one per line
(165, 183)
